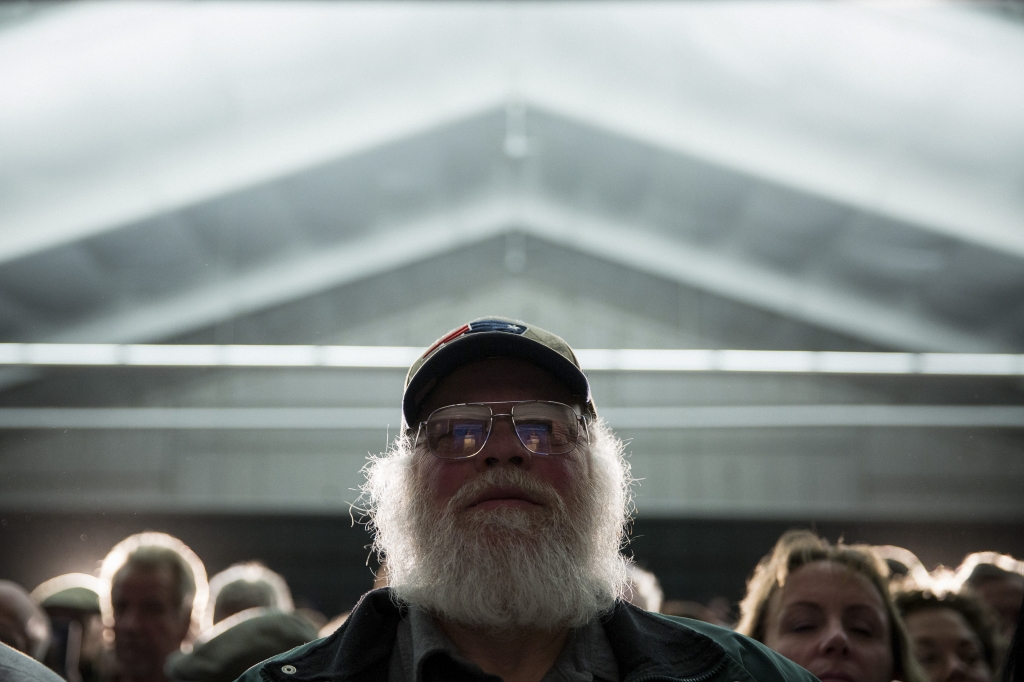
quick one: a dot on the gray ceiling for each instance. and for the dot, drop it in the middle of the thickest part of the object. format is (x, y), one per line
(627, 204)
(189, 165)
(813, 176)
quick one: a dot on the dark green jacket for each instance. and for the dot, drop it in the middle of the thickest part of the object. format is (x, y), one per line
(647, 646)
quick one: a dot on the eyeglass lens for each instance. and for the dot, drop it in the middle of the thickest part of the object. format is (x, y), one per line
(543, 428)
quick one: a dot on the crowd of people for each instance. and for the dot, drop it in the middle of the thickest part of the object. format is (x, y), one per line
(152, 615)
(846, 613)
(499, 518)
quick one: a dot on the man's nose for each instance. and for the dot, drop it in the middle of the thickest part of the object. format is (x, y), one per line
(503, 447)
(953, 669)
(127, 620)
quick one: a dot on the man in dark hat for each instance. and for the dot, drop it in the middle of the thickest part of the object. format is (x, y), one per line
(501, 512)
(72, 601)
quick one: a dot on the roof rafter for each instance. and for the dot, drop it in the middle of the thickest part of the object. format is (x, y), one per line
(747, 282)
(968, 196)
(933, 208)
(628, 245)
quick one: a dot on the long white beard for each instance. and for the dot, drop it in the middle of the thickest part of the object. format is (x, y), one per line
(507, 568)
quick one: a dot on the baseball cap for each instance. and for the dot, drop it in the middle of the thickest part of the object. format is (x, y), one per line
(78, 598)
(490, 337)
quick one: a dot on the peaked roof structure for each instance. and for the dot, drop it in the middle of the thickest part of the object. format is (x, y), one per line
(852, 168)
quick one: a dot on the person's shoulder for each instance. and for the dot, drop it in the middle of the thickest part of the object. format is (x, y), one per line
(763, 664)
(281, 660)
(260, 635)
(15, 665)
(361, 646)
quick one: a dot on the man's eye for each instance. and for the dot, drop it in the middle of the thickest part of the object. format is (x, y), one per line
(535, 435)
(559, 433)
(467, 437)
(534, 429)
(970, 656)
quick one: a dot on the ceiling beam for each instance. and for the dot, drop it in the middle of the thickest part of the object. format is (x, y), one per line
(363, 418)
(24, 355)
(297, 277)
(932, 203)
(628, 245)
(63, 115)
(925, 203)
(810, 302)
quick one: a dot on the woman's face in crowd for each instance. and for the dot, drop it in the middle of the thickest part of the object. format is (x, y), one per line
(833, 622)
(946, 646)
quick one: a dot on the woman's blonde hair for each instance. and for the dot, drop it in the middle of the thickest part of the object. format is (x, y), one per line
(798, 548)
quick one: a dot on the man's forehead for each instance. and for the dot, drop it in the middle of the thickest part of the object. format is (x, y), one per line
(145, 575)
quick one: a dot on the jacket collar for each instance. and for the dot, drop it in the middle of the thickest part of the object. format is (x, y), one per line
(651, 646)
(645, 646)
(358, 651)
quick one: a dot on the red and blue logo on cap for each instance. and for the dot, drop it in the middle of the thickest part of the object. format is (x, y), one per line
(475, 328)
(495, 326)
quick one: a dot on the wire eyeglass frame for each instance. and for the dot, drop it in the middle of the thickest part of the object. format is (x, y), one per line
(580, 418)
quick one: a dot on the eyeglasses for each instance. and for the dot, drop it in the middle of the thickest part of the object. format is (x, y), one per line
(461, 431)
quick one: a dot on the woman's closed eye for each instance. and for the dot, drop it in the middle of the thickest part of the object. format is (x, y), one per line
(863, 629)
(801, 618)
(863, 622)
(800, 624)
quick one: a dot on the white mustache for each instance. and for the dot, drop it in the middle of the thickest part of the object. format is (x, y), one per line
(505, 477)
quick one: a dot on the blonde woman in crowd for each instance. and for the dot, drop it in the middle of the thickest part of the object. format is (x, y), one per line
(827, 607)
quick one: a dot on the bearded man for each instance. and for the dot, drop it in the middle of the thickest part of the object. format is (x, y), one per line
(500, 512)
